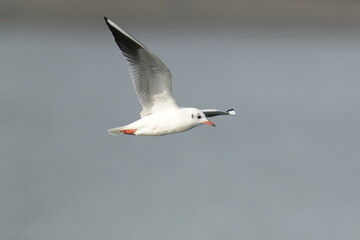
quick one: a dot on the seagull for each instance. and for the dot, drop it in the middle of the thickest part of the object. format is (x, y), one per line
(151, 78)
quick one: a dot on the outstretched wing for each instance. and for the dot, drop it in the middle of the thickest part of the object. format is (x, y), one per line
(150, 76)
(215, 112)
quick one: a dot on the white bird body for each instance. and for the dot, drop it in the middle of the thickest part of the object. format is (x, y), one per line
(162, 123)
(152, 81)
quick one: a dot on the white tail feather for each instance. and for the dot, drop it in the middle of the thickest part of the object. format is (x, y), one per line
(115, 131)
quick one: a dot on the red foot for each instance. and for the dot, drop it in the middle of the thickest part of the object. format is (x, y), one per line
(129, 131)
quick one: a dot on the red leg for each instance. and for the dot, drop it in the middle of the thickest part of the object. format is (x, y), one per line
(128, 131)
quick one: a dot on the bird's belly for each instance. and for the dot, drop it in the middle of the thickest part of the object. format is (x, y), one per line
(159, 132)
(156, 130)
(162, 123)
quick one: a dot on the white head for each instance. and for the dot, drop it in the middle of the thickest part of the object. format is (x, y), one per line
(197, 117)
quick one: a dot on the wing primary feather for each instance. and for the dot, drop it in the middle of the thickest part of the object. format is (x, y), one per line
(151, 77)
(127, 43)
(215, 112)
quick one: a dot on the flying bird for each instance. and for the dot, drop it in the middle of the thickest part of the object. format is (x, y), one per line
(160, 114)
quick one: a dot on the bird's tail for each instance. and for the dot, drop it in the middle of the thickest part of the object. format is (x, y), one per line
(116, 131)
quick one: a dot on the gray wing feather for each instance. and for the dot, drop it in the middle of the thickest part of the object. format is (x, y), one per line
(215, 112)
(151, 77)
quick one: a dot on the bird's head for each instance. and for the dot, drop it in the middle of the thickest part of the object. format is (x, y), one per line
(198, 117)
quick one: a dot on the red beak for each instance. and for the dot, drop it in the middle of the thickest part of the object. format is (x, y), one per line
(210, 123)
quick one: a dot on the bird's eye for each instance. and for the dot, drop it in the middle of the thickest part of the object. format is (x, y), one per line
(198, 116)
(192, 115)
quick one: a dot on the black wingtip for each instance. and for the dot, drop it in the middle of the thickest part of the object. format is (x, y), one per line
(105, 18)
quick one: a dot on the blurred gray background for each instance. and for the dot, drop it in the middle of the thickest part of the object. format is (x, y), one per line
(286, 167)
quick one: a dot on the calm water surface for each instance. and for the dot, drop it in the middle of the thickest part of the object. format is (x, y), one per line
(286, 167)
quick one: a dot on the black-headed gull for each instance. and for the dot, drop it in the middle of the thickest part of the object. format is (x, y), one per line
(152, 81)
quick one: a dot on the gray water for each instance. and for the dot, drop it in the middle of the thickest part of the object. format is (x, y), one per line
(286, 167)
